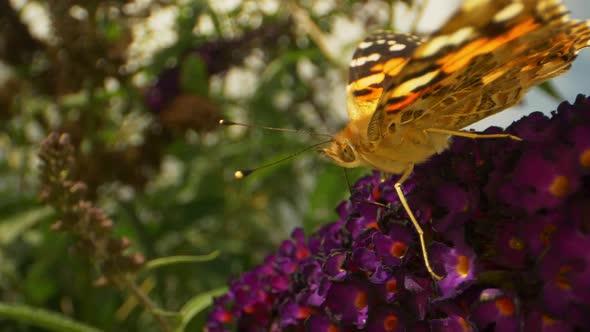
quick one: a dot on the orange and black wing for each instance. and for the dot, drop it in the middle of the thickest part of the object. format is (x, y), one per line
(375, 62)
(480, 62)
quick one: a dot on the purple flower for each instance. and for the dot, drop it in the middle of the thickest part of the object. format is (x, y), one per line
(506, 223)
(536, 321)
(459, 266)
(495, 307)
(347, 303)
(565, 270)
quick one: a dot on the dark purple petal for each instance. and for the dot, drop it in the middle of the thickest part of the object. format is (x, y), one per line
(380, 275)
(422, 292)
(535, 127)
(510, 248)
(451, 324)
(457, 203)
(566, 272)
(459, 266)
(365, 259)
(334, 266)
(537, 321)
(538, 182)
(293, 313)
(393, 248)
(386, 319)
(498, 309)
(390, 289)
(348, 303)
(539, 230)
(356, 225)
(320, 323)
(330, 237)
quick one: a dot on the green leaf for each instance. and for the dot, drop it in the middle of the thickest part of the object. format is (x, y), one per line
(159, 262)
(38, 287)
(550, 90)
(48, 320)
(193, 76)
(12, 227)
(329, 188)
(196, 305)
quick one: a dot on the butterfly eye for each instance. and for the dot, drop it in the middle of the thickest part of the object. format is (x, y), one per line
(348, 153)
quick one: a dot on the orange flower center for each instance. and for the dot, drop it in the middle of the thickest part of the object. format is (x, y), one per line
(390, 323)
(585, 158)
(360, 302)
(305, 312)
(463, 266)
(391, 286)
(464, 325)
(226, 317)
(547, 233)
(373, 225)
(333, 328)
(505, 306)
(376, 193)
(560, 186)
(399, 249)
(516, 243)
(561, 279)
(547, 320)
(302, 253)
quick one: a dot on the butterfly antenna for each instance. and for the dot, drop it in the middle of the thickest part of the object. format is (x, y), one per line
(302, 131)
(240, 174)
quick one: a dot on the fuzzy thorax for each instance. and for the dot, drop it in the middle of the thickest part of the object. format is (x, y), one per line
(395, 152)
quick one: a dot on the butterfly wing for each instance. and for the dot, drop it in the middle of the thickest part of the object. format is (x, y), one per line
(480, 62)
(375, 62)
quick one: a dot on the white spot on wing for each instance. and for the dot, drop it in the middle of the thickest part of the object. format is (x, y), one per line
(381, 41)
(373, 57)
(437, 43)
(364, 59)
(408, 86)
(365, 44)
(397, 47)
(508, 12)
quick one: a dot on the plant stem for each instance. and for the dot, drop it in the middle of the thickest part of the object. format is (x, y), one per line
(147, 303)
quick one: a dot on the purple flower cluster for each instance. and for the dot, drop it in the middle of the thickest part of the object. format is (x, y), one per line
(508, 224)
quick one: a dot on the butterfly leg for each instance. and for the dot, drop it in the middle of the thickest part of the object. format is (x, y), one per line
(402, 198)
(384, 176)
(470, 134)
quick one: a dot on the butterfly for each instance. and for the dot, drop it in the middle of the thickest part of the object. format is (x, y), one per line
(407, 97)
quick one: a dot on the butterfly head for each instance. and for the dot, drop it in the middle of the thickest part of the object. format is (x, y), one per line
(342, 152)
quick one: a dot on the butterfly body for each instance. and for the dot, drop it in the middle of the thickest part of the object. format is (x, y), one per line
(396, 153)
(407, 97)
